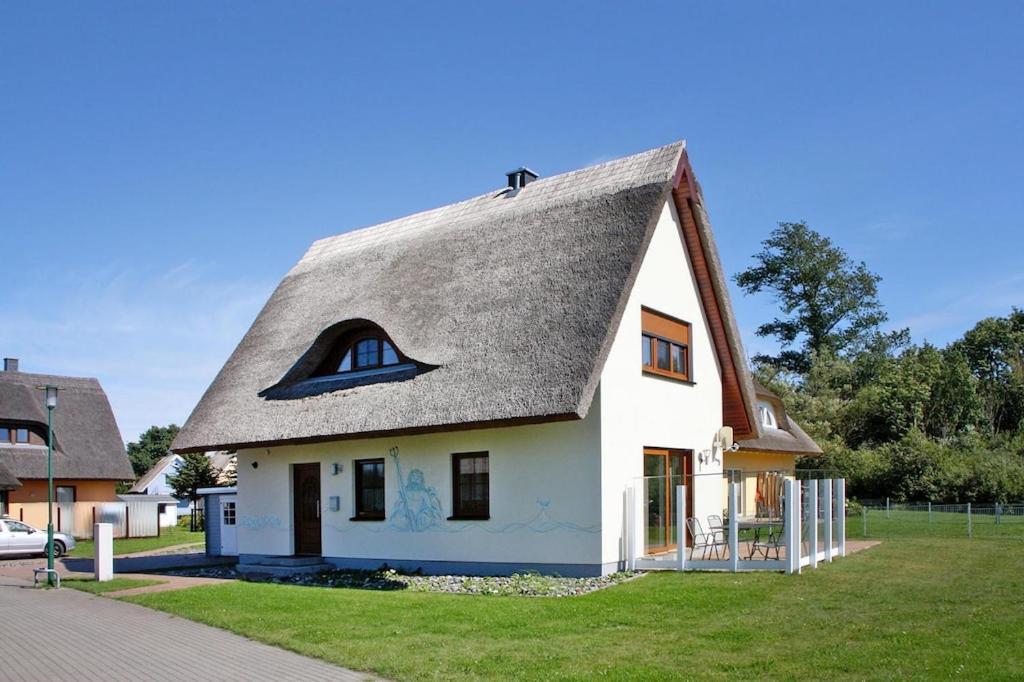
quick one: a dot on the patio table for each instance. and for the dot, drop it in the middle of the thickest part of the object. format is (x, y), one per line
(756, 524)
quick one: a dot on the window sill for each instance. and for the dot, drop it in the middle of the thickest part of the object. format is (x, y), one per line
(469, 518)
(679, 379)
(367, 518)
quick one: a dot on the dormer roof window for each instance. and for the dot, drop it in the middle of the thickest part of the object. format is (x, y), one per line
(369, 350)
(767, 412)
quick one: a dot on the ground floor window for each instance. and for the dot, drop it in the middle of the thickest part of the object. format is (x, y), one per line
(471, 485)
(738, 476)
(369, 474)
(229, 513)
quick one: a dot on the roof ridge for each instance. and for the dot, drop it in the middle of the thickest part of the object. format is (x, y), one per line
(413, 223)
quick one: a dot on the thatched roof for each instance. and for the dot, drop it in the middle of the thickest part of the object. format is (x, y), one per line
(8, 481)
(509, 300)
(789, 437)
(87, 442)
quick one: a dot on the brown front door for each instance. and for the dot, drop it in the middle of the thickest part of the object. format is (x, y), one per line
(307, 508)
(663, 471)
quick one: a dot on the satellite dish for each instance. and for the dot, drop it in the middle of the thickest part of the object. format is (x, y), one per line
(725, 437)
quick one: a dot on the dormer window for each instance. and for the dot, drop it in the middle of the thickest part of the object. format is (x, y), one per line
(767, 413)
(346, 355)
(359, 353)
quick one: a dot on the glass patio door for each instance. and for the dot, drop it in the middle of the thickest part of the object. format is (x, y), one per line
(663, 471)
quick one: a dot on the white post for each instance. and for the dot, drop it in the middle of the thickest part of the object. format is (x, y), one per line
(812, 528)
(103, 556)
(970, 525)
(734, 527)
(828, 506)
(792, 515)
(864, 515)
(840, 529)
(887, 514)
(627, 528)
(929, 512)
(681, 512)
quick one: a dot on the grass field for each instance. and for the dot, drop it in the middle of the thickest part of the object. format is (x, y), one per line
(167, 538)
(90, 585)
(914, 608)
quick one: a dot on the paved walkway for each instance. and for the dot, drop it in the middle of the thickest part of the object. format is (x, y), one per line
(56, 635)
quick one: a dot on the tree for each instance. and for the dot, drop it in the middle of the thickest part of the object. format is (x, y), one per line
(994, 351)
(830, 303)
(151, 446)
(194, 472)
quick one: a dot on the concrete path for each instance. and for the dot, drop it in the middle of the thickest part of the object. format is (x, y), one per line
(56, 635)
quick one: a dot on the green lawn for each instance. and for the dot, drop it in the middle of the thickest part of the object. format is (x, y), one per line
(90, 585)
(168, 537)
(918, 608)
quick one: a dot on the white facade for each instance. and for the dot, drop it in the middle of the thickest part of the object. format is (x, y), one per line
(556, 489)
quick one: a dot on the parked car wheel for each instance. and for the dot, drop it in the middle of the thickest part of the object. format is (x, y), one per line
(59, 549)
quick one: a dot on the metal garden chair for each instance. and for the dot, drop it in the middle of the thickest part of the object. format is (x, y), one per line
(703, 541)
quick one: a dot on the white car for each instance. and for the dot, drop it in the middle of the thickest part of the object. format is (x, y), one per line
(20, 538)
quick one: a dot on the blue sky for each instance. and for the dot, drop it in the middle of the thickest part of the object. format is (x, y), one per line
(162, 165)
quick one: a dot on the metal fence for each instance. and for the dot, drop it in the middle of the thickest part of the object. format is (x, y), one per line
(887, 519)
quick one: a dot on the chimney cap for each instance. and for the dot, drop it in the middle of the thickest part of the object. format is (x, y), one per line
(10, 364)
(518, 178)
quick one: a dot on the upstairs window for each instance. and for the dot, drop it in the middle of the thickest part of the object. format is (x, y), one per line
(20, 435)
(767, 415)
(665, 345)
(359, 353)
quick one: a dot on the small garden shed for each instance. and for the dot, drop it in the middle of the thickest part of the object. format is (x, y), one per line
(219, 505)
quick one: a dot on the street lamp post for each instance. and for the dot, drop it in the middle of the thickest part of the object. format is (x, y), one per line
(51, 405)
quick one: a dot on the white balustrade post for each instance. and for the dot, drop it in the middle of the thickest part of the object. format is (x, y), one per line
(812, 521)
(840, 529)
(734, 527)
(681, 512)
(828, 509)
(970, 525)
(792, 516)
(103, 551)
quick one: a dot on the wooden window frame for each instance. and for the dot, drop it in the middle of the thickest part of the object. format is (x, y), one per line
(34, 437)
(357, 480)
(658, 327)
(457, 512)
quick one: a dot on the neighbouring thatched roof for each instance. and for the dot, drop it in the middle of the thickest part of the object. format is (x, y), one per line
(87, 442)
(510, 299)
(8, 481)
(789, 437)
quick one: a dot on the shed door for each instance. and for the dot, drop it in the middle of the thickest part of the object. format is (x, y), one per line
(228, 529)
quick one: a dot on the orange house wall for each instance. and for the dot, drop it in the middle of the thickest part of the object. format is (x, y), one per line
(34, 490)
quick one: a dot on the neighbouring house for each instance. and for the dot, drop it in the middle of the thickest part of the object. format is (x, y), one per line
(154, 482)
(461, 389)
(89, 458)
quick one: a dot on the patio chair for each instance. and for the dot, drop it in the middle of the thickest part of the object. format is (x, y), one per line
(774, 542)
(705, 542)
(718, 528)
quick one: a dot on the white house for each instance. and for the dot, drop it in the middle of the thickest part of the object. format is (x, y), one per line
(154, 482)
(461, 389)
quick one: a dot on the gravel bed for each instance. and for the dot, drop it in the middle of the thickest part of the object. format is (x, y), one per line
(520, 584)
